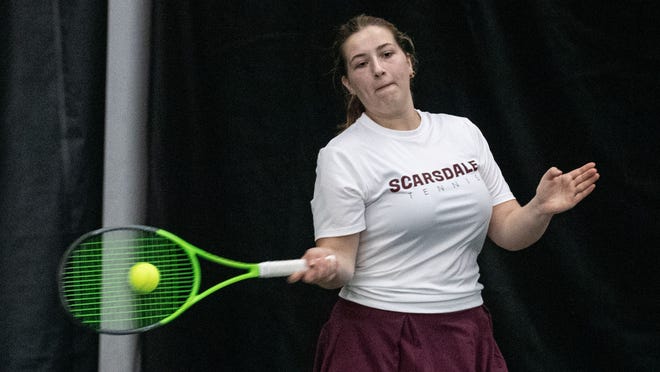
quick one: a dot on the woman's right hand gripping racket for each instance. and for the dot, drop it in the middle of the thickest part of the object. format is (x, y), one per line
(132, 279)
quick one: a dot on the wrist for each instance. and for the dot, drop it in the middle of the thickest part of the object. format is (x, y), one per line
(538, 209)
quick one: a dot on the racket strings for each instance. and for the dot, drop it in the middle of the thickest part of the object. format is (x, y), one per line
(96, 286)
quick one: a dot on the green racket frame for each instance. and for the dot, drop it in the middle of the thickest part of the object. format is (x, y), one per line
(192, 251)
(96, 292)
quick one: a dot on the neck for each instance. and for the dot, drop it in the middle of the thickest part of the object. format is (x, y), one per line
(407, 120)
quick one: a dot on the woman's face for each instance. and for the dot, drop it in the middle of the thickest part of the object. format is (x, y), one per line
(378, 71)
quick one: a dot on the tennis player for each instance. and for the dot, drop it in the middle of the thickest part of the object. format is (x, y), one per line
(403, 202)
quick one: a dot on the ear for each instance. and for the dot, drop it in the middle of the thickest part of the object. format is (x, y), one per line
(410, 65)
(346, 84)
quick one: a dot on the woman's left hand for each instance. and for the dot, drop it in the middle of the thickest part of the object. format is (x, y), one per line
(558, 192)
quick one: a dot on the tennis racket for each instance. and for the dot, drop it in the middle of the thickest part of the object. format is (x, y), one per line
(97, 282)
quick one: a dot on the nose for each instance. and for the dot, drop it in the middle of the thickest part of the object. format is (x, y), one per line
(378, 69)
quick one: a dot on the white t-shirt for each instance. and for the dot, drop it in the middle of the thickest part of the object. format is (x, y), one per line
(421, 200)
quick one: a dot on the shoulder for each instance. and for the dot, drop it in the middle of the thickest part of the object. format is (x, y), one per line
(453, 125)
(347, 138)
(337, 150)
(351, 140)
(453, 121)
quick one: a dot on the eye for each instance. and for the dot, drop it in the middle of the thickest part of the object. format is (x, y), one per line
(388, 54)
(360, 64)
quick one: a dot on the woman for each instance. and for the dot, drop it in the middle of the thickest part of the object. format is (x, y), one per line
(403, 202)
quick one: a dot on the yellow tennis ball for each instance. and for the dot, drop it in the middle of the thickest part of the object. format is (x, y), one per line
(144, 277)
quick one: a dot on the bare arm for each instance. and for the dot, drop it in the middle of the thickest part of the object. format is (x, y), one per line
(514, 227)
(331, 262)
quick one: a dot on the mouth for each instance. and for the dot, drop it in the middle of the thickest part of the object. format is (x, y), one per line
(384, 86)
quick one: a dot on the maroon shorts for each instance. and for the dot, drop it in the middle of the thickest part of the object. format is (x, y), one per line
(360, 338)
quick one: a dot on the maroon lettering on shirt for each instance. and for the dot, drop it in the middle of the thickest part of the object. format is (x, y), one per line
(410, 181)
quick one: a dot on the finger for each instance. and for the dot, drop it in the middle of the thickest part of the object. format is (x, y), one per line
(575, 173)
(329, 259)
(311, 275)
(295, 277)
(586, 187)
(552, 173)
(587, 178)
(321, 269)
(583, 194)
(587, 166)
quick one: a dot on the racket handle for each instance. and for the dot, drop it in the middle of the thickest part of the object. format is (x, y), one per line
(272, 269)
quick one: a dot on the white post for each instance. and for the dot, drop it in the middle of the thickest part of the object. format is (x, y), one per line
(125, 165)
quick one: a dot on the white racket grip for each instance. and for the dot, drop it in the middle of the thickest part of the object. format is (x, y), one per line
(273, 269)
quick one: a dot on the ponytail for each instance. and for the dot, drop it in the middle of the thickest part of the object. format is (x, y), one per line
(354, 109)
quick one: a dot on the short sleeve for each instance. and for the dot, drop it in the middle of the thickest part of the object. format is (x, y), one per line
(338, 205)
(490, 172)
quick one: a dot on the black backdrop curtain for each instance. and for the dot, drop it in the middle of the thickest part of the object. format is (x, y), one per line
(52, 74)
(241, 103)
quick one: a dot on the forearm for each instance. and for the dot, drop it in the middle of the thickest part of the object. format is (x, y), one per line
(514, 227)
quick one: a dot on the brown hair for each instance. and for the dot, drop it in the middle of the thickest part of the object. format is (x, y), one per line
(355, 108)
